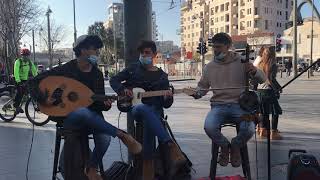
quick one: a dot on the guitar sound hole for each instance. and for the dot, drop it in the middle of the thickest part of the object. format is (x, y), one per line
(72, 96)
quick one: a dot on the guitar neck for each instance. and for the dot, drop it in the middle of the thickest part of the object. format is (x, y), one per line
(103, 97)
(158, 93)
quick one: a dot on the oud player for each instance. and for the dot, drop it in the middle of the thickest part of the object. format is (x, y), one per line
(84, 69)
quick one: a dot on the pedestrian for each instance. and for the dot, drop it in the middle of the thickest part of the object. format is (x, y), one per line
(269, 94)
(288, 67)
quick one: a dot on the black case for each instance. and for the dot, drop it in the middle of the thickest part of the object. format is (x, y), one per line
(302, 166)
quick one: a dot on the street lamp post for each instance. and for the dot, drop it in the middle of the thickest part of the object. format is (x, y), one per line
(34, 48)
(295, 54)
(74, 22)
(311, 49)
(49, 37)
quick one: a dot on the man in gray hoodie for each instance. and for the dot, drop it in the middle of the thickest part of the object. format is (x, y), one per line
(225, 71)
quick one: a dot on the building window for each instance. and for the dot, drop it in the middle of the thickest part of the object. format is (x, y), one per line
(216, 9)
(287, 17)
(212, 11)
(188, 35)
(197, 33)
(280, 24)
(255, 25)
(197, 25)
(288, 48)
(314, 36)
(227, 29)
(192, 34)
(227, 6)
(222, 18)
(280, 13)
(248, 25)
(266, 24)
(287, 4)
(227, 18)
(212, 21)
(221, 7)
(217, 19)
(255, 11)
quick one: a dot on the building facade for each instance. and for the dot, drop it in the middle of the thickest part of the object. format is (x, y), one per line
(115, 19)
(166, 47)
(154, 27)
(303, 41)
(204, 18)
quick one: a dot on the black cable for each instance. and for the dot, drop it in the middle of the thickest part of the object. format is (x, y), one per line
(257, 168)
(119, 139)
(30, 152)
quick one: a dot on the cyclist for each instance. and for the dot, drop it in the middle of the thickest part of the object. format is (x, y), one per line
(24, 69)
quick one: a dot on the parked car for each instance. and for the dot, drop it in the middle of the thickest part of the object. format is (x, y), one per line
(302, 65)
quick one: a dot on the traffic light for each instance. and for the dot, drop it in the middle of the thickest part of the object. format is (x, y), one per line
(210, 43)
(278, 44)
(199, 48)
(202, 48)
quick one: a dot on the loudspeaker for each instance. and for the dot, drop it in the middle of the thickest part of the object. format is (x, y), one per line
(302, 166)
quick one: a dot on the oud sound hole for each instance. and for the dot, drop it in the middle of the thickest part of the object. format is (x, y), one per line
(72, 96)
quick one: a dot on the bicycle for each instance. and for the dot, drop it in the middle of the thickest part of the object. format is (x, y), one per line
(32, 111)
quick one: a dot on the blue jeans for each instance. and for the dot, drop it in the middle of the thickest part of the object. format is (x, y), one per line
(228, 113)
(151, 119)
(94, 123)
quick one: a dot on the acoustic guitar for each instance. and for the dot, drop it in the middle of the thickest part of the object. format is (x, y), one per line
(65, 95)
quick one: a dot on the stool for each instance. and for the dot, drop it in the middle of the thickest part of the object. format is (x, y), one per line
(244, 157)
(62, 133)
(138, 159)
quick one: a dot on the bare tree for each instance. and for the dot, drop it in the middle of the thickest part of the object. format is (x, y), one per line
(58, 33)
(17, 17)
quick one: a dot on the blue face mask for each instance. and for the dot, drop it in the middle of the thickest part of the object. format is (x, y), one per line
(93, 59)
(145, 60)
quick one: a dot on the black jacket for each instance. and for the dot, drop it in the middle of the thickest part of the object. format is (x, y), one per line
(133, 77)
(71, 70)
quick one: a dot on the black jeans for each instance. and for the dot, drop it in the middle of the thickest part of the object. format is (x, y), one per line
(269, 105)
(20, 93)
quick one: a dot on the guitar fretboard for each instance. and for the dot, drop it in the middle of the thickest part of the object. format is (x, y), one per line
(157, 93)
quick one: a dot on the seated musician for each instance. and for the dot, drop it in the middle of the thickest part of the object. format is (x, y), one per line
(226, 70)
(145, 75)
(84, 69)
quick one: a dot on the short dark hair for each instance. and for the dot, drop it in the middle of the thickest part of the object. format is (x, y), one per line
(87, 42)
(222, 38)
(147, 44)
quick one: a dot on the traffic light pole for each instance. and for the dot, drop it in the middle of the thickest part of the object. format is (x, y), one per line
(137, 18)
(202, 44)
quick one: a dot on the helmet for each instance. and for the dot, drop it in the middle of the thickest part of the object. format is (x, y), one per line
(25, 52)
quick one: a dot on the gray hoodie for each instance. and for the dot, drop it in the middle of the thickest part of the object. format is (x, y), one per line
(228, 73)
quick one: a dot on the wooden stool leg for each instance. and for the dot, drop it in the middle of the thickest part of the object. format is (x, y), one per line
(56, 153)
(214, 161)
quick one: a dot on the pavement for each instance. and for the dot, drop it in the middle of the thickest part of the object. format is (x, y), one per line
(299, 126)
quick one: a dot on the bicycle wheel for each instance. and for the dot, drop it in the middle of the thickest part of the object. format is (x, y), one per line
(7, 110)
(33, 113)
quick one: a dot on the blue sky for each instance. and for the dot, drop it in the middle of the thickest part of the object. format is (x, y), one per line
(87, 12)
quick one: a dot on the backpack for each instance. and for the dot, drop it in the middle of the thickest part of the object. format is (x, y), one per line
(30, 67)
